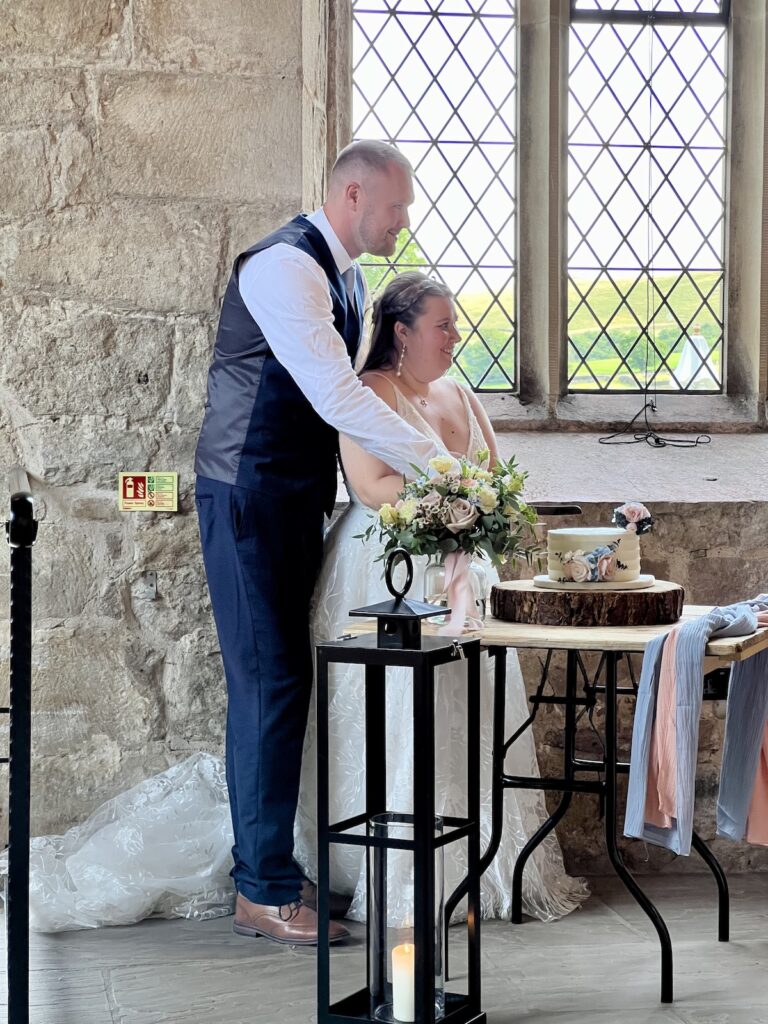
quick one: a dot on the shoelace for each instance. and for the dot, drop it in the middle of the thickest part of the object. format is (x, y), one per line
(292, 908)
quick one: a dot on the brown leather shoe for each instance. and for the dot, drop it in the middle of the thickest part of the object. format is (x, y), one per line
(293, 924)
(339, 905)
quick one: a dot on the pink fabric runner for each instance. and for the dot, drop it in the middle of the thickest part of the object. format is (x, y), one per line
(661, 792)
(461, 598)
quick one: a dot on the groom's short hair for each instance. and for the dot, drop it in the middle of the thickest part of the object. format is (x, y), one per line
(369, 155)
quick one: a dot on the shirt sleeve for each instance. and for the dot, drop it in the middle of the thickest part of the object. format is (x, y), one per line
(286, 292)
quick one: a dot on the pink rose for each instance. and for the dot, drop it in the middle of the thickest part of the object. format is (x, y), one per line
(631, 528)
(634, 511)
(606, 567)
(461, 515)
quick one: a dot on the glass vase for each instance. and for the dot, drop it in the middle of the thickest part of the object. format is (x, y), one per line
(392, 940)
(435, 592)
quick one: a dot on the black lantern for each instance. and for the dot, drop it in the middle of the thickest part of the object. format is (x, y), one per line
(405, 951)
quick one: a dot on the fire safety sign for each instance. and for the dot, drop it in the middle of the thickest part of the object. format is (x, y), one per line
(149, 492)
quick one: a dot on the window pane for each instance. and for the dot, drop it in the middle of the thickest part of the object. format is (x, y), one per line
(646, 209)
(438, 79)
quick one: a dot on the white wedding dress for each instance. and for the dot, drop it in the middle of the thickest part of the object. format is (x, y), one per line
(351, 578)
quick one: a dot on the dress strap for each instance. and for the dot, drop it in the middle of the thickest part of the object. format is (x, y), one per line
(398, 393)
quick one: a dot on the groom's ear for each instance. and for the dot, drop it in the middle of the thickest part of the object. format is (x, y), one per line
(353, 192)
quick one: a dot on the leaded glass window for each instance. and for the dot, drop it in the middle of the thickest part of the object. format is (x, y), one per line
(646, 195)
(438, 79)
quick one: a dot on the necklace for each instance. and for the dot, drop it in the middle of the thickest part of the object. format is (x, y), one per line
(422, 400)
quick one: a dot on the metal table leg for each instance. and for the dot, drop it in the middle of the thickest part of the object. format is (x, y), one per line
(723, 903)
(610, 827)
(569, 753)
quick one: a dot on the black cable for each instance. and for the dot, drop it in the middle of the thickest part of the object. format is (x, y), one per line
(650, 436)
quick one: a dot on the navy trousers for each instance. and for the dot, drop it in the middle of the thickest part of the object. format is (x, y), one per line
(262, 555)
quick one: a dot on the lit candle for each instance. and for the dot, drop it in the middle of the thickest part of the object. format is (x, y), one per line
(403, 1002)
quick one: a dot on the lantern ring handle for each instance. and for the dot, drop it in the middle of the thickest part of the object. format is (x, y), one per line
(392, 558)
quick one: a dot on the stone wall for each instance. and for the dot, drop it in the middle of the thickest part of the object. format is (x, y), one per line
(144, 143)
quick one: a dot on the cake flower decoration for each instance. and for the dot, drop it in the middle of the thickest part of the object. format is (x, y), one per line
(597, 566)
(634, 517)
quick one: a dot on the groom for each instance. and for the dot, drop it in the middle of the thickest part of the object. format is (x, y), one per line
(280, 387)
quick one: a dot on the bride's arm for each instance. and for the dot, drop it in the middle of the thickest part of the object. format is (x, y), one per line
(373, 481)
(485, 426)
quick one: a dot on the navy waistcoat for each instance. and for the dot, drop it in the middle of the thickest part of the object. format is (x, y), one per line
(259, 431)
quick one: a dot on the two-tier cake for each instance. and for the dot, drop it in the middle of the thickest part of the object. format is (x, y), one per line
(597, 557)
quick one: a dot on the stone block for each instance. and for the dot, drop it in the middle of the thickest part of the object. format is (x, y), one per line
(106, 364)
(182, 603)
(65, 576)
(200, 137)
(35, 98)
(108, 674)
(724, 580)
(195, 690)
(192, 352)
(70, 31)
(68, 450)
(122, 255)
(24, 184)
(182, 33)
(74, 177)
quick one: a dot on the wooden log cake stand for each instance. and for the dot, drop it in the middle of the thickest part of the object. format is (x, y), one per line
(522, 601)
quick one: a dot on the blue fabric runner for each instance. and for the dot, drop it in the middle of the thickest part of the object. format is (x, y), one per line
(745, 724)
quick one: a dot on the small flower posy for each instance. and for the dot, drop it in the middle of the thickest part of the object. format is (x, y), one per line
(456, 505)
(634, 517)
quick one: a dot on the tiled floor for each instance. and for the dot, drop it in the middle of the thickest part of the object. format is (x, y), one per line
(600, 965)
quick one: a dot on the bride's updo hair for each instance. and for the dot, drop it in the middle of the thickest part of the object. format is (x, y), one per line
(402, 301)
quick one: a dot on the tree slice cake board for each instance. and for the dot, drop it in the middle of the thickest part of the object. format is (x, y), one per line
(522, 601)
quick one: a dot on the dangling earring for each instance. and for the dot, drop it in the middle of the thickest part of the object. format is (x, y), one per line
(400, 361)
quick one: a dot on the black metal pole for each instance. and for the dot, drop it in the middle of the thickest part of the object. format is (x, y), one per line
(323, 842)
(424, 841)
(375, 803)
(473, 814)
(21, 531)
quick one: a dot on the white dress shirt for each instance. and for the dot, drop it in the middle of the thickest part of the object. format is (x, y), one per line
(288, 295)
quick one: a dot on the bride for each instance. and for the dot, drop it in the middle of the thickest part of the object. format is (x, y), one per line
(413, 337)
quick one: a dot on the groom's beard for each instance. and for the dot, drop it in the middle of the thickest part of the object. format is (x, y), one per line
(378, 243)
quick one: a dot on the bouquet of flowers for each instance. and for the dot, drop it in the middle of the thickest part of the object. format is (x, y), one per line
(456, 506)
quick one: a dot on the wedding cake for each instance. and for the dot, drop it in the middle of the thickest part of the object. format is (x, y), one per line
(599, 557)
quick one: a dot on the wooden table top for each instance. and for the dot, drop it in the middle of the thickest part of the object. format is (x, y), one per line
(496, 633)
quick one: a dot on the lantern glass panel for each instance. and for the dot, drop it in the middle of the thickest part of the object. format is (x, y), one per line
(392, 939)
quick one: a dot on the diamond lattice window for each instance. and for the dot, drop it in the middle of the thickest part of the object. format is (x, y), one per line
(438, 79)
(646, 195)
